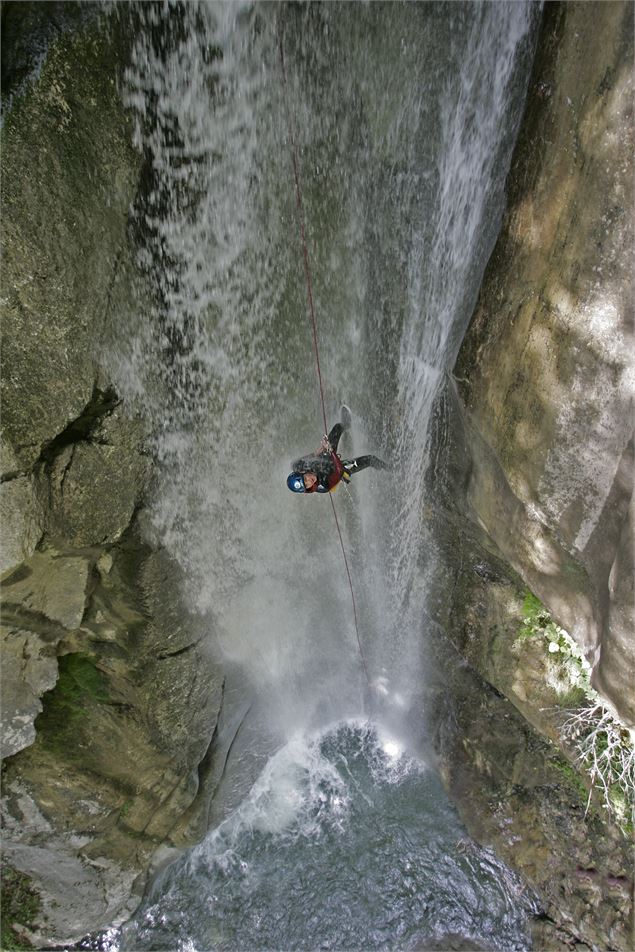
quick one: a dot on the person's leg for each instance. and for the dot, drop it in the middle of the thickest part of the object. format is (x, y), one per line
(362, 462)
(335, 435)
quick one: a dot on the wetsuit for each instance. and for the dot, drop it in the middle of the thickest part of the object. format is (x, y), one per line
(329, 468)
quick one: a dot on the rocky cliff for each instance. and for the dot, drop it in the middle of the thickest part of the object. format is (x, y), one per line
(546, 372)
(110, 694)
(534, 523)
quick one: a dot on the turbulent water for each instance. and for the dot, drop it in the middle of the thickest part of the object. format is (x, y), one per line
(403, 117)
(343, 843)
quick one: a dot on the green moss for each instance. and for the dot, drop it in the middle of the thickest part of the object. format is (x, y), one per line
(79, 687)
(20, 905)
(125, 808)
(566, 662)
(535, 616)
(571, 775)
(532, 606)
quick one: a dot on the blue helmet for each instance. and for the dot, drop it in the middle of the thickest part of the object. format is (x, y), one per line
(295, 482)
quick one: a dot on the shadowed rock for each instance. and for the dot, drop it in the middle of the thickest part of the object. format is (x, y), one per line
(546, 369)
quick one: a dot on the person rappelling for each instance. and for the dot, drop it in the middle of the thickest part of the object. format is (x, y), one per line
(322, 471)
(325, 469)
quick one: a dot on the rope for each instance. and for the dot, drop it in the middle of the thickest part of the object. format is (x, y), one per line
(350, 584)
(309, 287)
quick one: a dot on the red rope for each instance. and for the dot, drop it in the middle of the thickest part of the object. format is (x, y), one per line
(309, 287)
(350, 583)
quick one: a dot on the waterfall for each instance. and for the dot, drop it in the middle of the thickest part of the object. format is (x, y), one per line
(405, 117)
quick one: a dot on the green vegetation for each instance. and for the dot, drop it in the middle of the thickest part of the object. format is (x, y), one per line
(79, 686)
(603, 747)
(535, 616)
(79, 680)
(125, 808)
(568, 671)
(20, 905)
(571, 775)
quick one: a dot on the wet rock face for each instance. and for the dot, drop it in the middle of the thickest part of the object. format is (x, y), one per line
(518, 793)
(537, 487)
(110, 693)
(109, 709)
(69, 176)
(546, 370)
(21, 520)
(496, 716)
(125, 704)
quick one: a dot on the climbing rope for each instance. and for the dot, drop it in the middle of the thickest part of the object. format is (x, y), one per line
(309, 287)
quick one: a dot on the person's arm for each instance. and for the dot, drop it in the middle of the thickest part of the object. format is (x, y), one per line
(324, 447)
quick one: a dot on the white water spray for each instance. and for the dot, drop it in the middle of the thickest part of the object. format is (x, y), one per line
(404, 130)
(405, 116)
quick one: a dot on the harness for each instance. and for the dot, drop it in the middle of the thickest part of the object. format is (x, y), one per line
(335, 477)
(338, 473)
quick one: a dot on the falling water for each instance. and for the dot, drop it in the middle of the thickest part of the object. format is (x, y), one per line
(404, 117)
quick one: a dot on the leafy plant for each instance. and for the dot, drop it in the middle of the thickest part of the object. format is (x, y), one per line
(602, 745)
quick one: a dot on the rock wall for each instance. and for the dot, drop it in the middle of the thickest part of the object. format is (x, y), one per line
(495, 717)
(546, 372)
(110, 692)
(533, 487)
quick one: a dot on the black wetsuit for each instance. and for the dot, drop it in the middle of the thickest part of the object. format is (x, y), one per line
(329, 468)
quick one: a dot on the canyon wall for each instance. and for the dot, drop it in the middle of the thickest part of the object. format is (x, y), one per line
(110, 692)
(534, 484)
(546, 372)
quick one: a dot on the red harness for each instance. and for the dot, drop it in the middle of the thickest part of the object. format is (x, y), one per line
(335, 477)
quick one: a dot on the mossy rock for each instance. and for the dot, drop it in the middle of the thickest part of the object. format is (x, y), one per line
(80, 686)
(70, 174)
(20, 904)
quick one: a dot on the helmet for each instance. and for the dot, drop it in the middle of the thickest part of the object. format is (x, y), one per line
(295, 482)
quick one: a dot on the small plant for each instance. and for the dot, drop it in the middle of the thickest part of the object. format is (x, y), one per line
(568, 671)
(535, 616)
(602, 745)
(124, 810)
